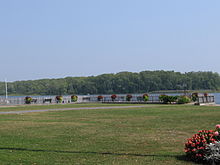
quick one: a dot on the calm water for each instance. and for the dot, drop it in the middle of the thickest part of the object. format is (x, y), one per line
(217, 98)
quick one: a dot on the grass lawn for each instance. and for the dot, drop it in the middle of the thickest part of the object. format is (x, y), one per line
(151, 135)
(55, 106)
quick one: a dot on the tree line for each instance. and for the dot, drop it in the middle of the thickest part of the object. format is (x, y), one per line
(122, 82)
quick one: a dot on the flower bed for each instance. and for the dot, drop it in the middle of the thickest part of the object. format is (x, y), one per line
(201, 147)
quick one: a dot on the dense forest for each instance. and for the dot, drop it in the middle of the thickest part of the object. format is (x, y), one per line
(123, 82)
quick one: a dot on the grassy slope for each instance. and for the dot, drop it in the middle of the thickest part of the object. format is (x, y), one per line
(152, 135)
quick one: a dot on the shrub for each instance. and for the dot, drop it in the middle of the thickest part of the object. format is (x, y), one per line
(162, 97)
(194, 96)
(113, 97)
(145, 97)
(128, 97)
(168, 99)
(195, 147)
(183, 100)
(74, 98)
(173, 99)
(28, 99)
(100, 98)
(199, 148)
(59, 99)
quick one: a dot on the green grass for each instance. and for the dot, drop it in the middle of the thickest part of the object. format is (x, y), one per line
(151, 135)
(55, 106)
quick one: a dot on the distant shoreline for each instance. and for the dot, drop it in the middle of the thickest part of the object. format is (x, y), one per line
(186, 91)
(153, 92)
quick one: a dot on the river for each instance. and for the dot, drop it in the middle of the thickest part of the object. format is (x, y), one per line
(217, 98)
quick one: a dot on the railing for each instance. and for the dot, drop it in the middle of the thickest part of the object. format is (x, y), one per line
(205, 99)
(94, 98)
(36, 100)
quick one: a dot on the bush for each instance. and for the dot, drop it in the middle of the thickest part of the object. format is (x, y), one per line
(145, 97)
(28, 100)
(113, 97)
(195, 147)
(59, 99)
(183, 100)
(194, 96)
(199, 148)
(162, 97)
(168, 99)
(74, 98)
(128, 97)
(100, 98)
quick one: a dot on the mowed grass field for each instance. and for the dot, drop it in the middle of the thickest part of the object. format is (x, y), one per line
(154, 134)
(54, 106)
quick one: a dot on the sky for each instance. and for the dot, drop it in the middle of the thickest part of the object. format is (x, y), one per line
(60, 38)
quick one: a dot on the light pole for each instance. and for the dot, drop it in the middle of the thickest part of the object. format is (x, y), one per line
(6, 91)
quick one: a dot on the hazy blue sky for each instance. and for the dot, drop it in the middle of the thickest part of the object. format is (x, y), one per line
(59, 38)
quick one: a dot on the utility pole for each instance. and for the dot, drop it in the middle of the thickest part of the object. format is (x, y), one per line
(6, 91)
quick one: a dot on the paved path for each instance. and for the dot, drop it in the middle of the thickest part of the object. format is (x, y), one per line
(70, 109)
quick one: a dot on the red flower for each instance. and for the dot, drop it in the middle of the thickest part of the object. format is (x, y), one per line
(195, 146)
(113, 96)
(100, 98)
